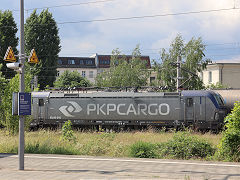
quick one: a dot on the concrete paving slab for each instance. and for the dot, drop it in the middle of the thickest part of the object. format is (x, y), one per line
(81, 167)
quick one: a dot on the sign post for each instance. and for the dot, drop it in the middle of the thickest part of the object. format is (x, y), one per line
(21, 88)
(24, 99)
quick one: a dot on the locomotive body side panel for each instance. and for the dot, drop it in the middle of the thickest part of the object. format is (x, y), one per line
(114, 109)
(201, 109)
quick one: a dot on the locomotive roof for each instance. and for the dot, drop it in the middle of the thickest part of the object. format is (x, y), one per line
(197, 93)
(123, 94)
(104, 94)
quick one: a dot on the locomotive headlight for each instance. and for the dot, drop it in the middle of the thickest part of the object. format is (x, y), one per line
(216, 116)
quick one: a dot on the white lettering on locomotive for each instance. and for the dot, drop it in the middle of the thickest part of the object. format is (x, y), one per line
(142, 109)
(121, 109)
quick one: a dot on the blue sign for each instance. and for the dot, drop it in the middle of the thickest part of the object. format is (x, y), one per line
(24, 103)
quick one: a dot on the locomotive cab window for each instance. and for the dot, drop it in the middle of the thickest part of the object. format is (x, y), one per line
(40, 102)
(189, 102)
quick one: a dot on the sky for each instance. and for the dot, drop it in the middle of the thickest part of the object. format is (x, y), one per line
(219, 30)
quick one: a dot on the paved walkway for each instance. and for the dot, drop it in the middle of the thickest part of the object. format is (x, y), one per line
(79, 167)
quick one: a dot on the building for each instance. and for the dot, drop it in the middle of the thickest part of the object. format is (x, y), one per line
(90, 67)
(225, 72)
(84, 65)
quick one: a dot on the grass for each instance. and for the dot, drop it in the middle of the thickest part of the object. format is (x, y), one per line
(88, 143)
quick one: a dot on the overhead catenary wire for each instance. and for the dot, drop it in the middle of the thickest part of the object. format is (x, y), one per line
(64, 5)
(134, 17)
(147, 16)
(74, 4)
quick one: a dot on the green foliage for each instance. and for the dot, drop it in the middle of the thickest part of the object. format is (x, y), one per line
(192, 54)
(142, 150)
(7, 119)
(71, 79)
(184, 146)
(8, 30)
(100, 144)
(124, 72)
(229, 147)
(3, 85)
(41, 33)
(45, 148)
(216, 86)
(67, 132)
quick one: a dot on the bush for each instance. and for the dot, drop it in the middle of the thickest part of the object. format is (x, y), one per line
(142, 150)
(67, 132)
(184, 146)
(229, 147)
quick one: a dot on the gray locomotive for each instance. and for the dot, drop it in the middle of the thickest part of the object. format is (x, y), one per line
(199, 109)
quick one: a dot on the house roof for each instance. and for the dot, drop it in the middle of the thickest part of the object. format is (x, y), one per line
(102, 59)
(76, 62)
(227, 61)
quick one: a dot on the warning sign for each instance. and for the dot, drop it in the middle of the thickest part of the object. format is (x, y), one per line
(9, 56)
(33, 57)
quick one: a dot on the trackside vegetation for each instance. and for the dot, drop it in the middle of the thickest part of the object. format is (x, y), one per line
(181, 145)
(229, 147)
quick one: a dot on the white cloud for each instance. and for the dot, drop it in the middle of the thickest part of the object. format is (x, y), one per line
(102, 37)
(76, 47)
(164, 42)
(214, 26)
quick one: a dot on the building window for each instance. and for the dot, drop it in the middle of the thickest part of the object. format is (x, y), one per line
(81, 62)
(90, 74)
(58, 73)
(100, 71)
(201, 75)
(116, 62)
(89, 62)
(105, 62)
(83, 73)
(210, 77)
(71, 61)
(59, 61)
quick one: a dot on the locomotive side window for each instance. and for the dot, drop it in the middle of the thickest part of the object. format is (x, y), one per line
(189, 102)
(40, 102)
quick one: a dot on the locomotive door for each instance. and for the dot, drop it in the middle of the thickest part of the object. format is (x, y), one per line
(199, 110)
(41, 109)
(189, 110)
(194, 109)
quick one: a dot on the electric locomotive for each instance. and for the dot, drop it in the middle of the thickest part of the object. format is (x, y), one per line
(199, 109)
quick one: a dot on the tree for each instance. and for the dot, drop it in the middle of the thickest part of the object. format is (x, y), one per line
(229, 147)
(8, 30)
(217, 86)
(7, 119)
(71, 79)
(124, 72)
(41, 33)
(192, 54)
(3, 85)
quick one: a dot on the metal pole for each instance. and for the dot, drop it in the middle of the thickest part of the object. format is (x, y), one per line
(21, 88)
(178, 72)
